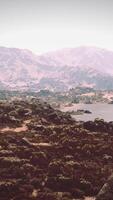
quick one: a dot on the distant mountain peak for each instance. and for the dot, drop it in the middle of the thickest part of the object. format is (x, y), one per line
(81, 56)
(57, 70)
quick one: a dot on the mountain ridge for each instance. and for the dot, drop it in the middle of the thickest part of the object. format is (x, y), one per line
(63, 69)
(80, 56)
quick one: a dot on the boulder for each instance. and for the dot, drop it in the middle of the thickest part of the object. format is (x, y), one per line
(106, 193)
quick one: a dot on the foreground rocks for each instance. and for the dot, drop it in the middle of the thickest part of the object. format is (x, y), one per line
(54, 157)
(106, 193)
(99, 125)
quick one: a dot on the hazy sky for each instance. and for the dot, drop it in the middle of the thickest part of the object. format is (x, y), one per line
(45, 25)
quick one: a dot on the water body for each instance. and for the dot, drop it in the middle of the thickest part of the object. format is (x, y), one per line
(99, 110)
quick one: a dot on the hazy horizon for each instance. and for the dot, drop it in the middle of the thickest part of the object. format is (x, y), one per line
(43, 26)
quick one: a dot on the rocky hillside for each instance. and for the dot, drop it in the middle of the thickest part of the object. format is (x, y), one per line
(46, 155)
(56, 71)
(92, 57)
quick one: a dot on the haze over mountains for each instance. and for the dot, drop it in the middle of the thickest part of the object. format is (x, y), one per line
(57, 71)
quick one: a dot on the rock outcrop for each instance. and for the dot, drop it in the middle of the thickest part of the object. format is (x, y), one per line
(106, 193)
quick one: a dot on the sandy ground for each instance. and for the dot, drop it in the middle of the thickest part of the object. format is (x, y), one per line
(88, 94)
(18, 129)
(108, 96)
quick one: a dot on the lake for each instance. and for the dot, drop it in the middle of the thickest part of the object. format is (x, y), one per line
(99, 110)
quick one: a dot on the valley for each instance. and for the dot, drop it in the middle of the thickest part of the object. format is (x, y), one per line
(56, 124)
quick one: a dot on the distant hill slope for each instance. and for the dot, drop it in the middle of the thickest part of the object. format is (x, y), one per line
(56, 71)
(96, 58)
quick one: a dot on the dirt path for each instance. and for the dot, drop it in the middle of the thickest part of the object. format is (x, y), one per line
(18, 129)
(24, 128)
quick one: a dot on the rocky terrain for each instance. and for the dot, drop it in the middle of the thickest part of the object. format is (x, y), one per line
(46, 155)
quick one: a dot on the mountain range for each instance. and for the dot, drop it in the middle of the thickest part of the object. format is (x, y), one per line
(20, 69)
